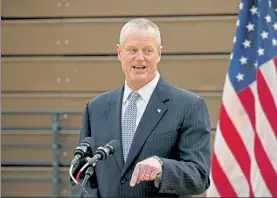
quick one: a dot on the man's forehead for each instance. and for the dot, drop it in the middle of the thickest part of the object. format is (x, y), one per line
(134, 38)
(140, 36)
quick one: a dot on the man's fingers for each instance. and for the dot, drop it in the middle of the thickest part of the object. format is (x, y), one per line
(135, 176)
(147, 174)
(144, 171)
(141, 173)
(153, 174)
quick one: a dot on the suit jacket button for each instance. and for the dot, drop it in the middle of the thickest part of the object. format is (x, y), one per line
(123, 181)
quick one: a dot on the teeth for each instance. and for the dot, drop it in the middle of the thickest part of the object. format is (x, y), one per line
(138, 67)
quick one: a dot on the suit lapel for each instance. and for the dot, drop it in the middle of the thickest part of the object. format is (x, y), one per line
(115, 112)
(153, 113)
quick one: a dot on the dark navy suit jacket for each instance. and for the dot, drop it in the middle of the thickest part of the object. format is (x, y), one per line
(175, 126)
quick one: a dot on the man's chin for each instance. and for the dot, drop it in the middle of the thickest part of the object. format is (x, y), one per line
(139, 80)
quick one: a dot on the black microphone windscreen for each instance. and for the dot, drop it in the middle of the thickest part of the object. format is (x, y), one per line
(90, 141)
(114, 144)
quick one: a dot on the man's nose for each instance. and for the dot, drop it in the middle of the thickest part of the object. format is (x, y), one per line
(139, 55)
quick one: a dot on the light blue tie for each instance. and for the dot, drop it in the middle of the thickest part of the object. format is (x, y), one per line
(129, 124)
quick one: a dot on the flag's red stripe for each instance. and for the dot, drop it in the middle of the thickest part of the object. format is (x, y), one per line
(248, 102)
(267, 101)
(223, 186)
(270, 111)
(231, 135)
(263, 162)
(266, 168)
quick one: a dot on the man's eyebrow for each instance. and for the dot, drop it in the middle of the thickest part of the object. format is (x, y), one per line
(130, 46)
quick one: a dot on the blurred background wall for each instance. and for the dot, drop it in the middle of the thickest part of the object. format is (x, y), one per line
(58, 54)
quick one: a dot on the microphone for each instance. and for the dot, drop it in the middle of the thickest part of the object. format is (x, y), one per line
(100, 154)
(83, 149)
(103, 152)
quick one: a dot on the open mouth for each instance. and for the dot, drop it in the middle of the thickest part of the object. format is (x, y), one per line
(139, 67)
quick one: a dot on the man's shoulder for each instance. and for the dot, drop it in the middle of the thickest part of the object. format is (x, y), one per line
(181, 93)
(103, 99)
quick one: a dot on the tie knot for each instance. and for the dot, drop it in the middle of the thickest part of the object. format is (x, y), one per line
(134, 96)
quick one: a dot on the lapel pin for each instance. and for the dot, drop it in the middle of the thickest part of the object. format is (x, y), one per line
(159, 110)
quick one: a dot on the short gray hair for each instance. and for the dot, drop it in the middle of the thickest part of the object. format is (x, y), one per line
(140, 24)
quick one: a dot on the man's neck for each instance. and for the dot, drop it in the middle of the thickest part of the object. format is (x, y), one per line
(135, 86)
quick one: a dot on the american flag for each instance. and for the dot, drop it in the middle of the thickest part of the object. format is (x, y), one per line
(244, 160)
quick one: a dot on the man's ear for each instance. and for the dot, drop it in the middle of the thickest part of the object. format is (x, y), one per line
(118, 50)
(160, 53)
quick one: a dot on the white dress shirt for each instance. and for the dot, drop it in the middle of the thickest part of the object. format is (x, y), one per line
(145, 94)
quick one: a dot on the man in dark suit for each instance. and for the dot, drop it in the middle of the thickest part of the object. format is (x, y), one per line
(164, 131)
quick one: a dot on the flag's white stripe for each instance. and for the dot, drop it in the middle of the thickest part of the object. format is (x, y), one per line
(259, 187)
(270, 75)
(267, 137)
(230, 166)
(242, 124)
(238, 116)
(265, 132)
(212, 191)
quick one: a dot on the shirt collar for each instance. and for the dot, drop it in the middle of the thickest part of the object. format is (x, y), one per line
(145, 92)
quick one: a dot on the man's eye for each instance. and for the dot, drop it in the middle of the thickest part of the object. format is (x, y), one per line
(148, 50)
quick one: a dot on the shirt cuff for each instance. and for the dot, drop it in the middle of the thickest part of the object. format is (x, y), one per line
(157, 180)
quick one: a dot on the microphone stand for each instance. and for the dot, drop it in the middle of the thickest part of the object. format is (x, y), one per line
(90, 170)
(89, 173)
(79, 190)
(92, 163)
